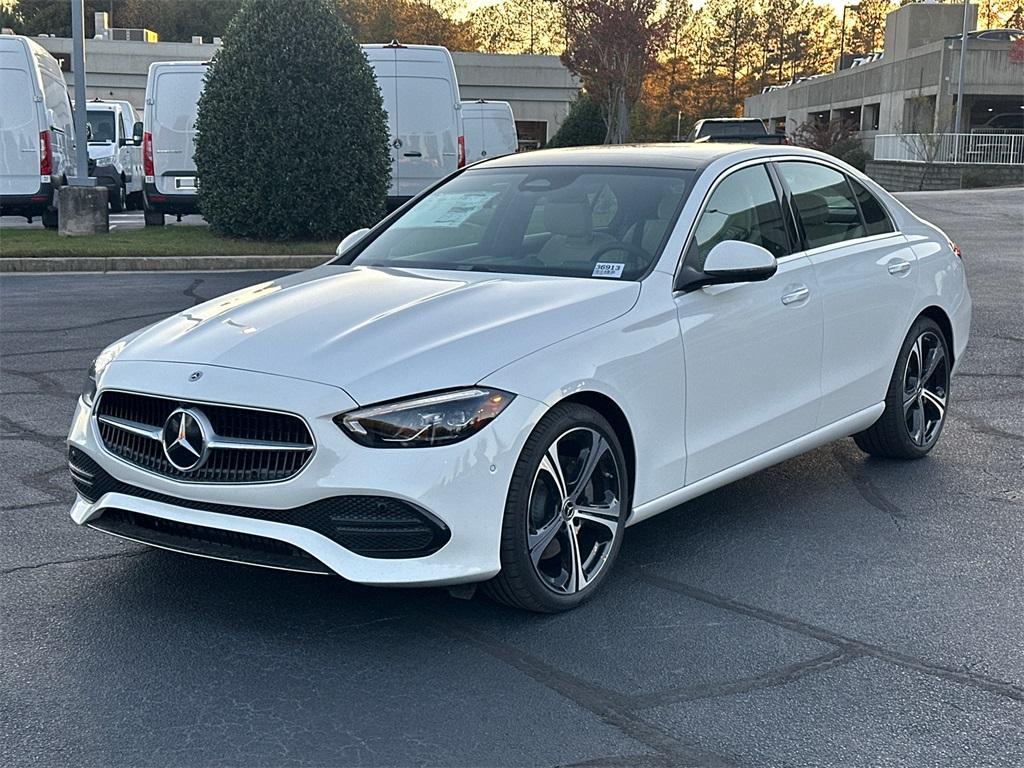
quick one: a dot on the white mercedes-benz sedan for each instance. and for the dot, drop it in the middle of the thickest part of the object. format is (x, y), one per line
(497, 380)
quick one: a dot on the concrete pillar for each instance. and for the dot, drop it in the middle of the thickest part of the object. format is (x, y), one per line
(82, 211)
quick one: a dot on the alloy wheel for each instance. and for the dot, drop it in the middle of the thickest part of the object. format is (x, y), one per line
(574, 512)
(925, 389)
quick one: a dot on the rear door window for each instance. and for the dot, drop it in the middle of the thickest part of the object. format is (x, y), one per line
(16, 96)
(824, 202)
(177, 96)
(876, 220)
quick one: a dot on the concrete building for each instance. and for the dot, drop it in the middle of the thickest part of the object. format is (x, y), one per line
(539, 88)
(911, 88)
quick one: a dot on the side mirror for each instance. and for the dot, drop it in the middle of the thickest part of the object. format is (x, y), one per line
(734, 261)
(350, 239)
(730, 261)
(137, 133)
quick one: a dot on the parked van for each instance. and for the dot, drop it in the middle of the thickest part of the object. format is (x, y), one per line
(37, 134)
(169, 138)
(490, 129)
(115, 159)
(421, 98)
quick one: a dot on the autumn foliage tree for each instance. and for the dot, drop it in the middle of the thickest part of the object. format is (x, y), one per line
(612, 45)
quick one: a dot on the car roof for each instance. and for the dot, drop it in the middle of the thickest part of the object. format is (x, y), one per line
(682, 155)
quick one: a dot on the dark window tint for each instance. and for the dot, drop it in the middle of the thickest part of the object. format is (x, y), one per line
(104, 126)
(742, 207)
(824, 202)
(876, 220)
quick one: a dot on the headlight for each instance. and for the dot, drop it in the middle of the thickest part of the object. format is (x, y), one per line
(99, 365)
(104, 160)
(430, 420)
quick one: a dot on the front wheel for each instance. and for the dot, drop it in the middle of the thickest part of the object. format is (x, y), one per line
(565, 513)
(117, 199)
(917, 399)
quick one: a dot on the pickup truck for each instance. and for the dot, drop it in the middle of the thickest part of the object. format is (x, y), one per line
(748, 130)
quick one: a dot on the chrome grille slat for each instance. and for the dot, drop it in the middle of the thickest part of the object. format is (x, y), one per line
(281, 443)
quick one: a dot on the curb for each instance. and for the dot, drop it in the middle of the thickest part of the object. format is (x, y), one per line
(156, 263)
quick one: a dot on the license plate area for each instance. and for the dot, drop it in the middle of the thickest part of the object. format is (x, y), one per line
(185, 182)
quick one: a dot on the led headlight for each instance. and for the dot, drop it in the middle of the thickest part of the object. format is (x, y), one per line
(99, 365)
(104, 160)
(430, 420)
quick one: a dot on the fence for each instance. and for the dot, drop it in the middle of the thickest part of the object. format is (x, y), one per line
(990, 148)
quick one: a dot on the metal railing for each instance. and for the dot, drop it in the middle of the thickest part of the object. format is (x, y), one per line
(990, 148)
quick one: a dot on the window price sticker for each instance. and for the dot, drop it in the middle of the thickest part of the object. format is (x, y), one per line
(607, 269)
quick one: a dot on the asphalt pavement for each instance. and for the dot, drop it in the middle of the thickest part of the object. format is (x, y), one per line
(833, 610)
(126, 220)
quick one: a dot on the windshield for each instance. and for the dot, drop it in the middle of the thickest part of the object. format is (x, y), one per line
(571, 221)
(103, 126)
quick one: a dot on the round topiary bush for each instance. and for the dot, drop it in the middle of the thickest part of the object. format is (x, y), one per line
(582, 127)
(291, 135)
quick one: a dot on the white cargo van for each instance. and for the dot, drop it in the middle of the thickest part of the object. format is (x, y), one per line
(490, 129)
(169, 138)
(37, 134)
(115, 159)
(421, 98)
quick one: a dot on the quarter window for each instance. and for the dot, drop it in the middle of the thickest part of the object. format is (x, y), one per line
(876, 220)
(743, 207)
(824, 202)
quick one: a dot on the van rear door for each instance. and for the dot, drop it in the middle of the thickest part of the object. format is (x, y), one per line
(173, 125)
(382, 61)
(428, 120)
(19, 122)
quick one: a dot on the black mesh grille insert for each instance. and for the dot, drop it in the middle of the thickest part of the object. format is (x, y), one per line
(224, 465)
(372, 526)
(211, 542)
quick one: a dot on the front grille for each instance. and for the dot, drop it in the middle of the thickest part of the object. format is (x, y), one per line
(372, 526)
(209, 542)
(256, 464)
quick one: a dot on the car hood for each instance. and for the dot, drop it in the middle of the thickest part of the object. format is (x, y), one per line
(101, 149)
(384, 333)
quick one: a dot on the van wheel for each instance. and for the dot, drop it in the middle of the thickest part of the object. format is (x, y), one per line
(49, 218)
(153, 219)
(117, 201)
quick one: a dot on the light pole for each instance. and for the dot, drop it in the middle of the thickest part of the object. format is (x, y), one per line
(842, 34)
(81, 178)
(679, 124)
(960, 76)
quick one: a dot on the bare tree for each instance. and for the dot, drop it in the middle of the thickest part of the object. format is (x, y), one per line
(612, 45)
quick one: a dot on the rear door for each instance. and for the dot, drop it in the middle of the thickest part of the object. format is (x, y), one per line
(473, 129)
(499, 131)
(382, 61)
(19, 122)
(175, 101)
(428, 121)
(867, 277)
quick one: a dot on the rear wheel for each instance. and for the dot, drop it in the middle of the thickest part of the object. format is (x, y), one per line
(565, 513)
(153, 219)
(117, 199)
(915, 405)
(49, 218)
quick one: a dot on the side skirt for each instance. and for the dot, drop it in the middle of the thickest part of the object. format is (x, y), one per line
(842, 428)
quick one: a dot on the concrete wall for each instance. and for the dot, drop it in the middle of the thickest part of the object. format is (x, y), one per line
(539, 88)
(910, 68)
(904, 177)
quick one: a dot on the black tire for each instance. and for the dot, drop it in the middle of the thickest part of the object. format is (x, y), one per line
(597, 528)
(49, 218)
(117, 200)
(915, 410)
(153, 219)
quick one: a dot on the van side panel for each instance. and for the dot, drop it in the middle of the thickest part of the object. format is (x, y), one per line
(428, 118)
(20, 122)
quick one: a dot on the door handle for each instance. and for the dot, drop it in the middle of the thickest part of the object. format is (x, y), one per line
(899, 268)
(412, 154)
(797, 294)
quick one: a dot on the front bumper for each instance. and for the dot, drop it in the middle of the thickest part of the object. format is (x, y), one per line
(462, 486)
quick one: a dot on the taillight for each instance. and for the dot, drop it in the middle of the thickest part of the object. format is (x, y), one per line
(147, 154)
(45, 154)
(462, 151)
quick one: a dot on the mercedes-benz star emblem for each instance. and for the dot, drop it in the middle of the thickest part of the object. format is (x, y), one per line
(185, 438)
(196, 376)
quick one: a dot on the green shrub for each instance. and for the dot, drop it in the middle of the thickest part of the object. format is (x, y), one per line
(582, 127)
(292, 138)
